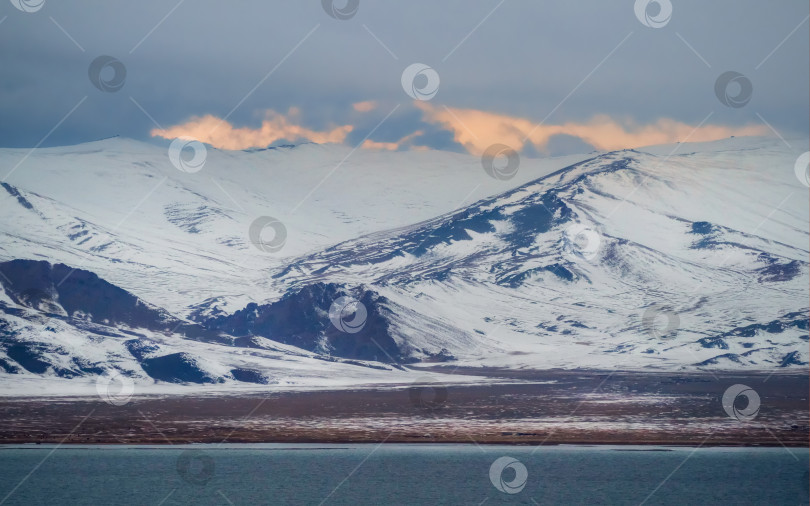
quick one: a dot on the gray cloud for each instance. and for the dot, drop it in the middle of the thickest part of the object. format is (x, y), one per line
(522, 61)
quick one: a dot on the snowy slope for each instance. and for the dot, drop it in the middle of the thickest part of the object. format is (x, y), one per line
(629, 259)
(119, 208)
(633, 259)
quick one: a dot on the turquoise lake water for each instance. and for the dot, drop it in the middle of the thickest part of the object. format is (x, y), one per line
(400, 474)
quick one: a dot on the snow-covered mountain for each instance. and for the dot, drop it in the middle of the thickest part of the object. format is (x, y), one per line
(691, 256)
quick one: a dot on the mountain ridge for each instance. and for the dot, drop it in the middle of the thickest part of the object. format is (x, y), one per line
(634, 259)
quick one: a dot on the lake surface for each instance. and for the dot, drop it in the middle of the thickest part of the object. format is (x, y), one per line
(400, 474)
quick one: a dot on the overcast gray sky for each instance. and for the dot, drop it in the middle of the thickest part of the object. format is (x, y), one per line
(590, 70)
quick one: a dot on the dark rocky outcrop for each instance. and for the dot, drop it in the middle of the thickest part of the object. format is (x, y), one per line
(301, 318)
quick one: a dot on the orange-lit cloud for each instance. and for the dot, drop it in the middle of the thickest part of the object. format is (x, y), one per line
(388, 146)
(393, 146)
(223, 135)
(368, 105)
(476, 130)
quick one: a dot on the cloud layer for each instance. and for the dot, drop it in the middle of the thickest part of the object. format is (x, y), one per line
(473, 129)
(521, 60)
(275, 127)
(477, 130)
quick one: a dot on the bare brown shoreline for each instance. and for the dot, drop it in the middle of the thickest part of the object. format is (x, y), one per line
(657, 444)
(543, 408)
